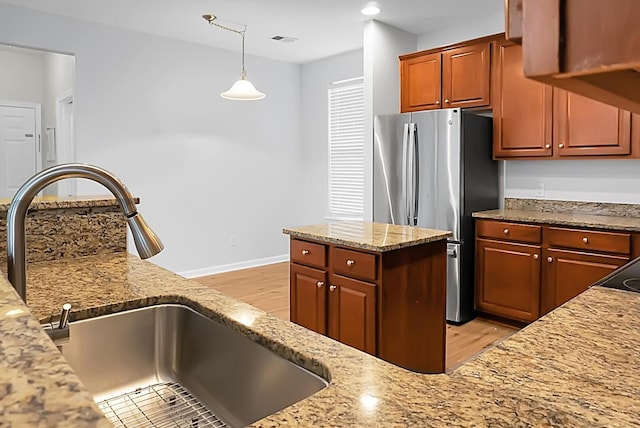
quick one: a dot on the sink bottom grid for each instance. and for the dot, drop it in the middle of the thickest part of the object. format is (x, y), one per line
(160, 405)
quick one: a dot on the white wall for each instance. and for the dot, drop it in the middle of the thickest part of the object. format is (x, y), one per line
(317, 77)
(21, 75)
(58, 82)
(382, 46)
(205, 168)
(467, 30)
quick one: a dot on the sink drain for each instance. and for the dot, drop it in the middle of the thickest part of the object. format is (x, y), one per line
(159, 405)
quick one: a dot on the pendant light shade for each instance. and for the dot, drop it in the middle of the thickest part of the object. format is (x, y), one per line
(242, 90)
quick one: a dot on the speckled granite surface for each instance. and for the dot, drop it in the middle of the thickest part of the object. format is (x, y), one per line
(574, 367)
(69, 227)
(568, 213)
(573, 207)
(580, 220)
(367, 235)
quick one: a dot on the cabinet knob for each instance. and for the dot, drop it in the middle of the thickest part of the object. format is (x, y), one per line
(437, 102)
(585, 240)
(446, 101)
(535, 257)
(305, 252)
(320, 284)
(561, 145)
(549, 259)
(351, 262)
(547, 146)
(506, 231)
(332, 288)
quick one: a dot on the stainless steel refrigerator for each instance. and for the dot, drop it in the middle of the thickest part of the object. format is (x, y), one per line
(433, 169)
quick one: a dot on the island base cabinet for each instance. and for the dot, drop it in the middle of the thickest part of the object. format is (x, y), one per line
(352, 313)
(308, 295)
(508, 279)
(569, 273)
(390, 304)
(412, 307)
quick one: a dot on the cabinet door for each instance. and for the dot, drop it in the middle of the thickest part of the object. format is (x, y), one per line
(508, 279)
(522, 108)
(308, 296)
(352, 313)
(569, 273)
(420, 83)
(584, 127)
(466, 76)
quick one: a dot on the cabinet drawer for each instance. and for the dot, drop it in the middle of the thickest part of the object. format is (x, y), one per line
(353, 263)
(591, 240)
(509, 231)
(309, 253)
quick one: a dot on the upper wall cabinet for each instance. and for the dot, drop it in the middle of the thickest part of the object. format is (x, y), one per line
(458, 76)
(534, 120)
(589, 47)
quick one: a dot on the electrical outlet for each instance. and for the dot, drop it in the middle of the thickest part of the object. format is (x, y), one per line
(233, 240)
(540, 189)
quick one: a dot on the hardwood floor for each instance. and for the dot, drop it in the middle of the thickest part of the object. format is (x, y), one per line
(267, 288)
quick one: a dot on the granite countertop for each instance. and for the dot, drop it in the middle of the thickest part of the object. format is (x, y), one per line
(631, 224)
(368, 236)
(576, 366)
(55, 202)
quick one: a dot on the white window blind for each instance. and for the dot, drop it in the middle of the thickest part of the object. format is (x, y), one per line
(346, 150)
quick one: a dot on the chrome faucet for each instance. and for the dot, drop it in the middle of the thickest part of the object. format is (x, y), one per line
(147, 242)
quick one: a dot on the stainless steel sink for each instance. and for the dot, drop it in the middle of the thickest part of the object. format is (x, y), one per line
(173, 364)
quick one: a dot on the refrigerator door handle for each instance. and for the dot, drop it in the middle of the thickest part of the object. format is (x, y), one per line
(413, 137)
(405, 171)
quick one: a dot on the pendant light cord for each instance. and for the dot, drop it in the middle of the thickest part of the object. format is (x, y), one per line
(211, 18)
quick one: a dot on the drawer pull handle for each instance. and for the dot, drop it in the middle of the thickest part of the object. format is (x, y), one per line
(305, 252)
(585, 240)
(547, 146)
(549, 259)
(535, 257)
(506, 231)
(561, 145)
(351, 262)
(320, 284)
(332, 288)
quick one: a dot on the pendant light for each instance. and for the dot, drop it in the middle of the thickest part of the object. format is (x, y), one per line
(242, 90)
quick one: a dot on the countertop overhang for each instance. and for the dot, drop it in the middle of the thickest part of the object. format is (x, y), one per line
(368, 235)
(607, 222)
(573, 367)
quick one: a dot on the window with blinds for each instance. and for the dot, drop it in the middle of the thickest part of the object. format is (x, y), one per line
(346, 150)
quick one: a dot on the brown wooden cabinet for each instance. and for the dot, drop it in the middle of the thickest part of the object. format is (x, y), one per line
(533, 120)
(522, 108)
(508, 269)
(308, 297)
(466, 76)
(420, 82)
(453, 76)
(352, 313)
(576, 258)
(524, 271)
(589, 47)
(390, 304)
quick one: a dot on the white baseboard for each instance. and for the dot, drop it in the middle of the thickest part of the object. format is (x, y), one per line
(194, 273)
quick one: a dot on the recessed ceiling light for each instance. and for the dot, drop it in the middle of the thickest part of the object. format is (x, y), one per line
(370, 10)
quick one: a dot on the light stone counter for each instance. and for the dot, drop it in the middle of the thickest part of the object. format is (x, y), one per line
(577, 366)
(368, 236)
(599, 215)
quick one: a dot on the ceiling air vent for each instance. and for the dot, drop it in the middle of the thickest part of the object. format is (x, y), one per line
(284, 39)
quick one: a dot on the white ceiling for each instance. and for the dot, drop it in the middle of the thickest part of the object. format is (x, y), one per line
(322, 27)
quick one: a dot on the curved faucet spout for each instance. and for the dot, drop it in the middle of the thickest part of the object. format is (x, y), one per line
(147, 242)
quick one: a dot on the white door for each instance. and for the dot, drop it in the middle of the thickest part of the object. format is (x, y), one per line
(18, 147)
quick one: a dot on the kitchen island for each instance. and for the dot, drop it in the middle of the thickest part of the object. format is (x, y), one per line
(378, 287)
(573, 367)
